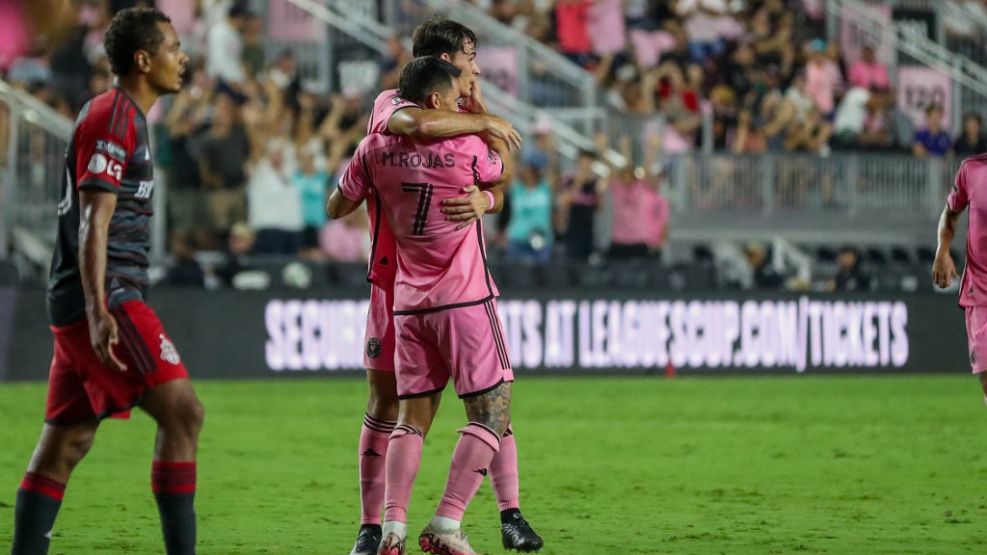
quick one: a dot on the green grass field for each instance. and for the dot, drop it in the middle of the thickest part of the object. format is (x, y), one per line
(608, 466)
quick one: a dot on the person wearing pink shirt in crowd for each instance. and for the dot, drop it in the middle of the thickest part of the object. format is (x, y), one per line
(868, 73)
(640, 213)
(394, 115)
(968, 192)
(572, 29)
(445, 312)
(344, 240)
(822, 78)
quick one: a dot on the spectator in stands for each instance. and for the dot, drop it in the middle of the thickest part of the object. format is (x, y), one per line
(224, 154)
(239, 245)
(252, 56)
(878, 130)
(868, 73)
(275, 205)
(224, 54)
(391, 64)
(747, 139)
(972, 141)
(822, 78)
(578, 201)
(850, 118)
(345, 240)
(933, 139)
(529, 230)
(186, 121)
(311, 184)
(849, 274)
(640, 213)
(763, 274)
(572, 29)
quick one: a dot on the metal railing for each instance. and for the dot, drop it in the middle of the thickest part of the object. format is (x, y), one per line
(969, 77)
(374, 34)
(544, 78)
(801, 195)
(35, 138)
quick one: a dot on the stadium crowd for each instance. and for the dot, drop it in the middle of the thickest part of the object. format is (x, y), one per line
(250, 152)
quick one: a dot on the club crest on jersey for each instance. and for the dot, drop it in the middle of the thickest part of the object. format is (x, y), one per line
(373, 347)
(169, 353)
(98, 163)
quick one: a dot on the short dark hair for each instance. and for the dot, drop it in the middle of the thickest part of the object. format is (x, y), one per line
(131, 30)
(439, 36)
(424, 75)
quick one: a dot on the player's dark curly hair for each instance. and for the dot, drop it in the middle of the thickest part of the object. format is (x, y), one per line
(131, 30)
(423, 75)
(440, 35)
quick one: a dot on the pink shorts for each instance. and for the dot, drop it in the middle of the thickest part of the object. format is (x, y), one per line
(464, 343)
(378, 352)
(976, 335)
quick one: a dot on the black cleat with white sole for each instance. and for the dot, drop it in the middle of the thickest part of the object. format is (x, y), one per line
(517, 533)
(368, 540)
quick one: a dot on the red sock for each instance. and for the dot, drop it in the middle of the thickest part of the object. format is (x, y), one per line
(373, 451)
(173, 484)
(404, 458)
(504, 473)
(470, 463)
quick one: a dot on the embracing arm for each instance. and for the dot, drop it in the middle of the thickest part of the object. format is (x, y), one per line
(442, 124)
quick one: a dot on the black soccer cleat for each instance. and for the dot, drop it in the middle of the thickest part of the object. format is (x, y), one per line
(368, 540)
(517, 533)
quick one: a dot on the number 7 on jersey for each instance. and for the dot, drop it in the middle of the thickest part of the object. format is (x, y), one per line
(424, 191)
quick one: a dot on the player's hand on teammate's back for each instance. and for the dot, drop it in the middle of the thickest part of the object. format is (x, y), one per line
(467, 208)
(943, 269)
(500, 128)
(103, 336)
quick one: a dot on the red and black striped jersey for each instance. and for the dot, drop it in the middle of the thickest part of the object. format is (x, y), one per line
(109, 151)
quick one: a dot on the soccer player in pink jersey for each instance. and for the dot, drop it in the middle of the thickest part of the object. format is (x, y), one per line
(393, 115)
(445, 312)
(968, 191)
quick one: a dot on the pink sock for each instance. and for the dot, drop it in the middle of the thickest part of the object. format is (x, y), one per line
(373, 450)
(504, 474)
(404, 458)
(470, 463)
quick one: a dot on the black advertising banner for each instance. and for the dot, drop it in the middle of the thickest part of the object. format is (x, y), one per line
(229, 334)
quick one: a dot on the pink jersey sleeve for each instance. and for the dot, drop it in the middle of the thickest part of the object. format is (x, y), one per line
(959, 196)
(355, 182)
(487, 167)
(385, 106)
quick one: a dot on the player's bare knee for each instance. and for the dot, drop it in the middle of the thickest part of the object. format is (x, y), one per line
(383, 400)
(382, 405)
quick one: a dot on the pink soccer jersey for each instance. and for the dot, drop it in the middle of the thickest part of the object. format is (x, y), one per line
(382, 265)
(439, 266)
(970, 189)
(385, 105)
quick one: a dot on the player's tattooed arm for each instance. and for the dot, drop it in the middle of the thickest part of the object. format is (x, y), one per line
(96, 210)
(492, 409)
(943, 268)
(442, 124)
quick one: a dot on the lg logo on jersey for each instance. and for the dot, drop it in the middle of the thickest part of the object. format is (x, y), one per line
(101, 164)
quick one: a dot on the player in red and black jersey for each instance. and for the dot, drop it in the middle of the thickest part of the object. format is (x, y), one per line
(111, 352)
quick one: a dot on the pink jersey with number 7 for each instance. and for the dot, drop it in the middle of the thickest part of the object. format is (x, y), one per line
(439, 266)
